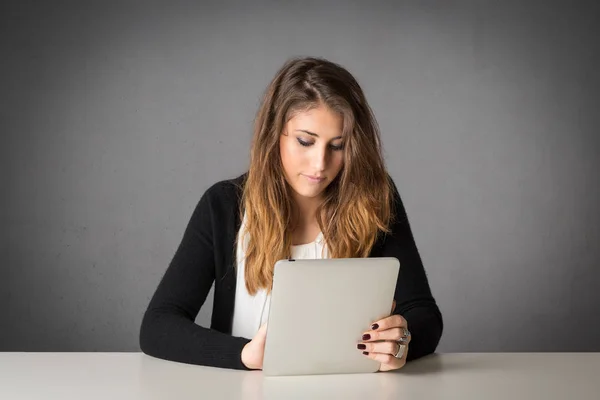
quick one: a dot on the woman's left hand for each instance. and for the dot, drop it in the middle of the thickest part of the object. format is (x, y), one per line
(387, 342)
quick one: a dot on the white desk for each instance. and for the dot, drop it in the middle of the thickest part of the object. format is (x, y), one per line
(71, 376)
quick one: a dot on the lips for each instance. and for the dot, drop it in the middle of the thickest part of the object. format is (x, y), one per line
(314, 178)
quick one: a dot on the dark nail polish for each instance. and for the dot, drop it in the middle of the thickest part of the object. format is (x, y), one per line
(366, 336)
(361, 346)
(366, 353)
(374, 326)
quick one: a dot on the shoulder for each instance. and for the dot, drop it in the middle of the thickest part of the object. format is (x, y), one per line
(225, 194)
(219, 204)
(398, 219)
(225, 189)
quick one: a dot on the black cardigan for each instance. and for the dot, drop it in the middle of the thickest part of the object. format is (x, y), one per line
(206, 254)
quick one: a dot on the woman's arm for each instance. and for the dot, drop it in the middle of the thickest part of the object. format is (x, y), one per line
(168, 330)
(414, 300)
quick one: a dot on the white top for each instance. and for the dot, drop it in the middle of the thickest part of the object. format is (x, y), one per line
(250, 312)
(133, 376)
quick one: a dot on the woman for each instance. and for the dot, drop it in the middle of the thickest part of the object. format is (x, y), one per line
(316, 187)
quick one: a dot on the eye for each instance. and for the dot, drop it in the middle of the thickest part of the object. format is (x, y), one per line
(303, 143)
(337, 147)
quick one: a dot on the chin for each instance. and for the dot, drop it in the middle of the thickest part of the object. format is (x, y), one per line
(311, 195)
(308, 192)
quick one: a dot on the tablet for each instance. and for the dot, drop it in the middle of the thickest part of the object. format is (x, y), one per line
(320, 309)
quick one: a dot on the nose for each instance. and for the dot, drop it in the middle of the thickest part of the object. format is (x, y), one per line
(320, 158)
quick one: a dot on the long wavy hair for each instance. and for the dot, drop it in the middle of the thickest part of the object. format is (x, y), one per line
(357, 203)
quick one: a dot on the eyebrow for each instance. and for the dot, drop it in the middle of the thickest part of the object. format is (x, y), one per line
(315, 135)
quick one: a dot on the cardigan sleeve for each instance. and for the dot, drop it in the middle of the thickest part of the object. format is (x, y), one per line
(414, 300)
(168, 330)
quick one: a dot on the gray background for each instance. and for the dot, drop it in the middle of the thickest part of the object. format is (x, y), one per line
(116, 117)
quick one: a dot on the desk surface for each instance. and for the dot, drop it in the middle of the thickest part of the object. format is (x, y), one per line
(449, 376)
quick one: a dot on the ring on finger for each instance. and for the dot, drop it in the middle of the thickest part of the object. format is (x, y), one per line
(405, 335)
(401, 350)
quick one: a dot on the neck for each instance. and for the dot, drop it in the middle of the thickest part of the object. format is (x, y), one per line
(305, 211)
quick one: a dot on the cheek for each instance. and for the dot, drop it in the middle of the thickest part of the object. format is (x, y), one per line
(290, 155)
(338, 160)
(294, 154)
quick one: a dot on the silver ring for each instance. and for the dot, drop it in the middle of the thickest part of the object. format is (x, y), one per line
(400, 352)
(405, 335)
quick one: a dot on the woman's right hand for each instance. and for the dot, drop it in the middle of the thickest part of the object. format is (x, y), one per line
(253, 351)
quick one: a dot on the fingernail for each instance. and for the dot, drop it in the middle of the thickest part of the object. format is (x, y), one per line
(366, 353)
(366, 336)
(374, 326)
(361, 346)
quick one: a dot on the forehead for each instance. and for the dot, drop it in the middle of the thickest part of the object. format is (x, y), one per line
(321, 120)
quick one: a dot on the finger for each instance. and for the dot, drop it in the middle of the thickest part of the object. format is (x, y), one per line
(388, 362)
(262, 330)
(393, 334)
(261, 335)
(393, 321)
(386, 347)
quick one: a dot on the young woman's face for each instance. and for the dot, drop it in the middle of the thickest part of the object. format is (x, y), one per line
(312, 150)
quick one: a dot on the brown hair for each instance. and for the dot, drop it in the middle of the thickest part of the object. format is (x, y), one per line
(357, 203)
